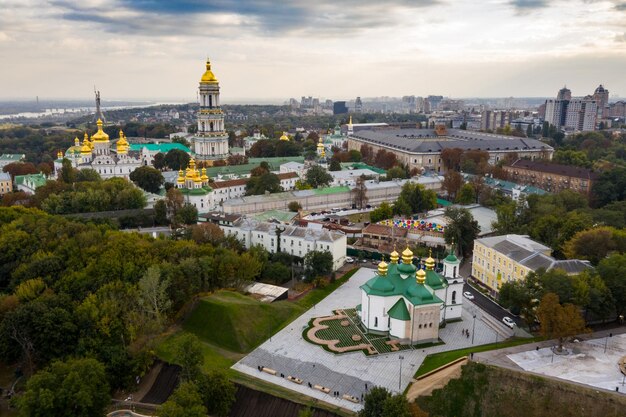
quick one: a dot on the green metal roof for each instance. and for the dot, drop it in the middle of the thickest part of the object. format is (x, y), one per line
(241, 170)
(160, 147)
(434, 280)
(11, 156)
(394, 284)
(452, 258)
(361, 165)
(331, 190)
(444, 203)
(399, 311)
(38, 180)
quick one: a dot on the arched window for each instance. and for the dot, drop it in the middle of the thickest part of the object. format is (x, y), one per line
(203, 126)
(454, 272)
(453, 297)
(210, 101)
(420, 326)
(375, 321)
(211, 126)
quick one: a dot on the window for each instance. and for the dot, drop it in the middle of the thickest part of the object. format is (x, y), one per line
(453, 297)
(375, 321)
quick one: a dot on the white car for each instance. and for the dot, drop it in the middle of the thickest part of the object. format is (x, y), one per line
(508, 322)
(468, 295)
(349, 260)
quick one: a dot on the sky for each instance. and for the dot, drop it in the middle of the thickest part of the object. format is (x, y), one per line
(271, 50)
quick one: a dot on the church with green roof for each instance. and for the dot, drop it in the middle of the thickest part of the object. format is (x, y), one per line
(408, 303)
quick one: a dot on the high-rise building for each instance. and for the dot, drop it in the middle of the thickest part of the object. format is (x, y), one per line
(358, 105)
(601, 96)
(339, 107)
(581, 114)
(555, 112)
(564, 94)
(211, 141)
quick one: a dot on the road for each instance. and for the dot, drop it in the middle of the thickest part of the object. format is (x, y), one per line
(485, 302)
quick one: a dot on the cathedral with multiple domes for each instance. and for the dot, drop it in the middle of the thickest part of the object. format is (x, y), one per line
(98, 153)
(406, 302)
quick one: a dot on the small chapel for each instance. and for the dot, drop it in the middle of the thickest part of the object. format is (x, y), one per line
(409, 302)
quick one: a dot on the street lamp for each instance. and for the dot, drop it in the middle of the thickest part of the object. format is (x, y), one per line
(473, 328)
(400, 375)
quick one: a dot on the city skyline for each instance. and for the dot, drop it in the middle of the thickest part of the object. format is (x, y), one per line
(268, 51)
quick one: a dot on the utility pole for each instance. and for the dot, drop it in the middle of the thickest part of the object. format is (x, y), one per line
(400, 375)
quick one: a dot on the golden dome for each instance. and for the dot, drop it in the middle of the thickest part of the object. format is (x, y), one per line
(382, 268)
(430, 262)
(420, 277)
(100, 135)
(122, 143)
(60, 155)
(85, 149)
(284, 136)
(394, 256)
(181, 177)
(407, 256)
(204, 177)
(208, 77)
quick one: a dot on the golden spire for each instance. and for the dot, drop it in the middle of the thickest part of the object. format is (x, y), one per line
(394, 256)
(122, 144)
(382, 268)
(85, 149)
(350, 121)
(407, 256)
(205, 177)
(208, 77)
(284, 136)
(181, 177)
(76, 142)
(100, 135)
(420, 277)
(60, 155)
(430, 262)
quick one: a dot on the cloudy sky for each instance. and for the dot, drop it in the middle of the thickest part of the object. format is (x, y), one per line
(272, 50)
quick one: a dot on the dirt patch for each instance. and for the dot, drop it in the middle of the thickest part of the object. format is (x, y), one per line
(434, 381)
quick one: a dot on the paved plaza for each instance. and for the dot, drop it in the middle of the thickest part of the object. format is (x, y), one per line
(587, 364)
(353, 373)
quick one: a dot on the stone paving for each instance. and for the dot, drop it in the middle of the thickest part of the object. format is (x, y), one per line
(354, 373)
(587, 364)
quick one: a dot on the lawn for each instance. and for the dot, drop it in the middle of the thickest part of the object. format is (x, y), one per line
(434, 361)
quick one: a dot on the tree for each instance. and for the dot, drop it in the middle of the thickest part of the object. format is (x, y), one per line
(177, 159)
(375, 402)
(317, 263)
(451, 158)
(86, 175)
(159, 161)
(276, 272)
(267, 182)
(160, 213)
(462, 229)
(335, 165)
(186, 401)
(20, 168)
(384, 211)
(316, 177)
(612, 270)
(559, 321)
(396, 406)
(218, 393)
(68, 173)
(467, 194)
(174, 201)
(153, 296)
(507, 220)
(611, 186)
(187, 214)
(414, 198)
(147, 178)
(571, 157)
(591, 244)
(75, 388)
(188, 353)
(396, 172)
(305, 412)
(207, 233)
(452, 182)
(355, 156)
(294, 206)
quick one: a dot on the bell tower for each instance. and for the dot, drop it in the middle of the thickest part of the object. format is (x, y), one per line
(211, 141)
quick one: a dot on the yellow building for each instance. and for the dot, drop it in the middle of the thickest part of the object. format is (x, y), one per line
(508, 258)
(6, 186)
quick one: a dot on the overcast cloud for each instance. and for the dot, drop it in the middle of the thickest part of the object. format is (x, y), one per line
(273, 50)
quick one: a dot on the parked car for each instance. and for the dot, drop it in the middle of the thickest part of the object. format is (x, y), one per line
(508, 322)
(349, 260)
(363, 261)
(468, 295)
